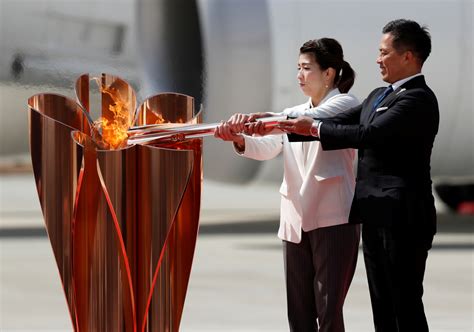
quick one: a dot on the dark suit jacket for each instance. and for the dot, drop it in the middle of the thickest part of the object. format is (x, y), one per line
(393, 185)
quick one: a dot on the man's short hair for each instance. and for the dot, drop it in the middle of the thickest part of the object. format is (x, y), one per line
(410, 36)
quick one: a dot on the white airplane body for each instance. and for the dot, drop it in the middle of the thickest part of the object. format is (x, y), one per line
(233, 56)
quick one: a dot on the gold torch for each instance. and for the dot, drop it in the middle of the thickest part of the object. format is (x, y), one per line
(122, 218)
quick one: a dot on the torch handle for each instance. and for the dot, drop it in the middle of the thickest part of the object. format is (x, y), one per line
(178, 132)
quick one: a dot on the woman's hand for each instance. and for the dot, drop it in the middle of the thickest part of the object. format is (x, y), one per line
(237, 122)
(224, 132)
(242, 123)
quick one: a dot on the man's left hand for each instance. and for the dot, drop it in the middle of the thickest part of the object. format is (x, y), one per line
(301, 125)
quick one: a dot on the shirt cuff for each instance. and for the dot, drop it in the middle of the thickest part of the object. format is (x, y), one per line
(315, 128)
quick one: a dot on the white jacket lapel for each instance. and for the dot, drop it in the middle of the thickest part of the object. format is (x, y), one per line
(294, 166)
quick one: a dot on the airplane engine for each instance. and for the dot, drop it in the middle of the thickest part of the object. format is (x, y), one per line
(219, 53)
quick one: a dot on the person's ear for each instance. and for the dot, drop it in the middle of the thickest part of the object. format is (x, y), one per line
(330, 75)
(408, 56)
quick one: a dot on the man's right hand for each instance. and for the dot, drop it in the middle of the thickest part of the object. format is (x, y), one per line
(257, 127)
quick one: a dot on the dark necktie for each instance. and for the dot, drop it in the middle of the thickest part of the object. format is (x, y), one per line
(379, 99)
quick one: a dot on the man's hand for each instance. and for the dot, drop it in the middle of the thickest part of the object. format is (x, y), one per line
(301, 125)
(257, 127)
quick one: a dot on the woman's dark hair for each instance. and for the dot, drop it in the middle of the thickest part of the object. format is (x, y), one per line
(328, 54)
(410, 36)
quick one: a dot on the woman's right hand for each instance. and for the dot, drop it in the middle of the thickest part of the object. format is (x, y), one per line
(231, 130)
(224, 132)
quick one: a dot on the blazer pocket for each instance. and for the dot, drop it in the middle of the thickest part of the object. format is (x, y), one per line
(329, 173)
(381, 109)
(380, 186)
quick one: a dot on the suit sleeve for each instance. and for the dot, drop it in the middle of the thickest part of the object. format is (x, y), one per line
(403, 120)
(349, 117)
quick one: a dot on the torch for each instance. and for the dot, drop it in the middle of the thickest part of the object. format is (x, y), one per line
(122, 219)
(180, 132)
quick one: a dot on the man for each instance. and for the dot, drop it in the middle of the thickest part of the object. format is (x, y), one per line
(394, 130)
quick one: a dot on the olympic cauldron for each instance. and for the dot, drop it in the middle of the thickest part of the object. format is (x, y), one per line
(122, 217)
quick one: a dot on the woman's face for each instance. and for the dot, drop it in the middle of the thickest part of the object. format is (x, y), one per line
(311, 78)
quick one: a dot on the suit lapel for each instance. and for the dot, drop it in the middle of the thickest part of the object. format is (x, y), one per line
(413, 83)
(386, 101)
(367, 108)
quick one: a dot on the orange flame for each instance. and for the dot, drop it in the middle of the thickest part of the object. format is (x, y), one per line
(114, 130)
(159, 119)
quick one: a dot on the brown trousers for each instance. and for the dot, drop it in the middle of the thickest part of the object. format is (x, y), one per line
(318, 272)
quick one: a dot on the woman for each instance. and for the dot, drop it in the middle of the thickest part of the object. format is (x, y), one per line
(320, 247)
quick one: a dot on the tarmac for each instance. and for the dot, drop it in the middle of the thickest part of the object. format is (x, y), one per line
(237, 280)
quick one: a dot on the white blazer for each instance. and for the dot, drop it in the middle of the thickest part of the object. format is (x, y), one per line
(316, 193)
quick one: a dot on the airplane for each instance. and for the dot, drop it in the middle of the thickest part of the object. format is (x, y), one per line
(231, 56)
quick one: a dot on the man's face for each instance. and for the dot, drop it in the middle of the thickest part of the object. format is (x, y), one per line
(392, 63)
